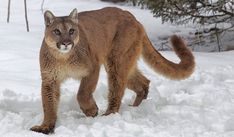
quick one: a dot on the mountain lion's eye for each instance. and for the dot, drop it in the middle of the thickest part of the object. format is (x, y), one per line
(57, 32)
(71, 31)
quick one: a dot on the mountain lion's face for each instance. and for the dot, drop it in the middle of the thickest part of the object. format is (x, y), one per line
(61, 33)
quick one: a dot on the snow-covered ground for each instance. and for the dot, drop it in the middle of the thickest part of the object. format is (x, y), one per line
(201, 106)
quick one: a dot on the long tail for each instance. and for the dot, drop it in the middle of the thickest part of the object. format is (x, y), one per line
(165, 67)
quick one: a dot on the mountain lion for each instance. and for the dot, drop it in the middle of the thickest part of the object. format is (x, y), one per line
(75, 46)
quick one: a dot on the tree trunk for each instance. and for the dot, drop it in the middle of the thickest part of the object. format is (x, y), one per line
(218, 40)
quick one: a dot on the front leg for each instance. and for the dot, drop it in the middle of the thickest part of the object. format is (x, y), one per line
(85, 97)
(50, 97)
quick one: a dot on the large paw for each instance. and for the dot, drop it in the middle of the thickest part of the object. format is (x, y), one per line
(43, 129)
(91, 112)
(140, 97)
(138, 100)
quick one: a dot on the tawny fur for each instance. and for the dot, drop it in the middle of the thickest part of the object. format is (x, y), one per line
(167, 68)
(111, 37)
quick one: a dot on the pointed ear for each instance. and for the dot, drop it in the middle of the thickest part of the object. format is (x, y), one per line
(49, 17)
(74, 15)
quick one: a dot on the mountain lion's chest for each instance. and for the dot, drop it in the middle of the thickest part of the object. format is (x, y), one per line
(72, 71)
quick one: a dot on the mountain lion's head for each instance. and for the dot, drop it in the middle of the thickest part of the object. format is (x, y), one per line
(61, 33)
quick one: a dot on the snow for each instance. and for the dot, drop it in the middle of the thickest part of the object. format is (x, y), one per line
(201, 106)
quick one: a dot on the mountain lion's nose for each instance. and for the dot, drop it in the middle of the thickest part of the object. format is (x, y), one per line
(66, 43)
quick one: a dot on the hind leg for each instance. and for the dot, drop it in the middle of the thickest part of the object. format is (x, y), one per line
(117, 84)
(121, 62)
(118, 74)
(118, 71)
(140, 85)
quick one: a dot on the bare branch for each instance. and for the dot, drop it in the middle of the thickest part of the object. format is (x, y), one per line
(26, 15)
(42, 6)
(9, 11)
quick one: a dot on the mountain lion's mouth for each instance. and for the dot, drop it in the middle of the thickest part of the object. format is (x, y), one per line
(65, 48)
